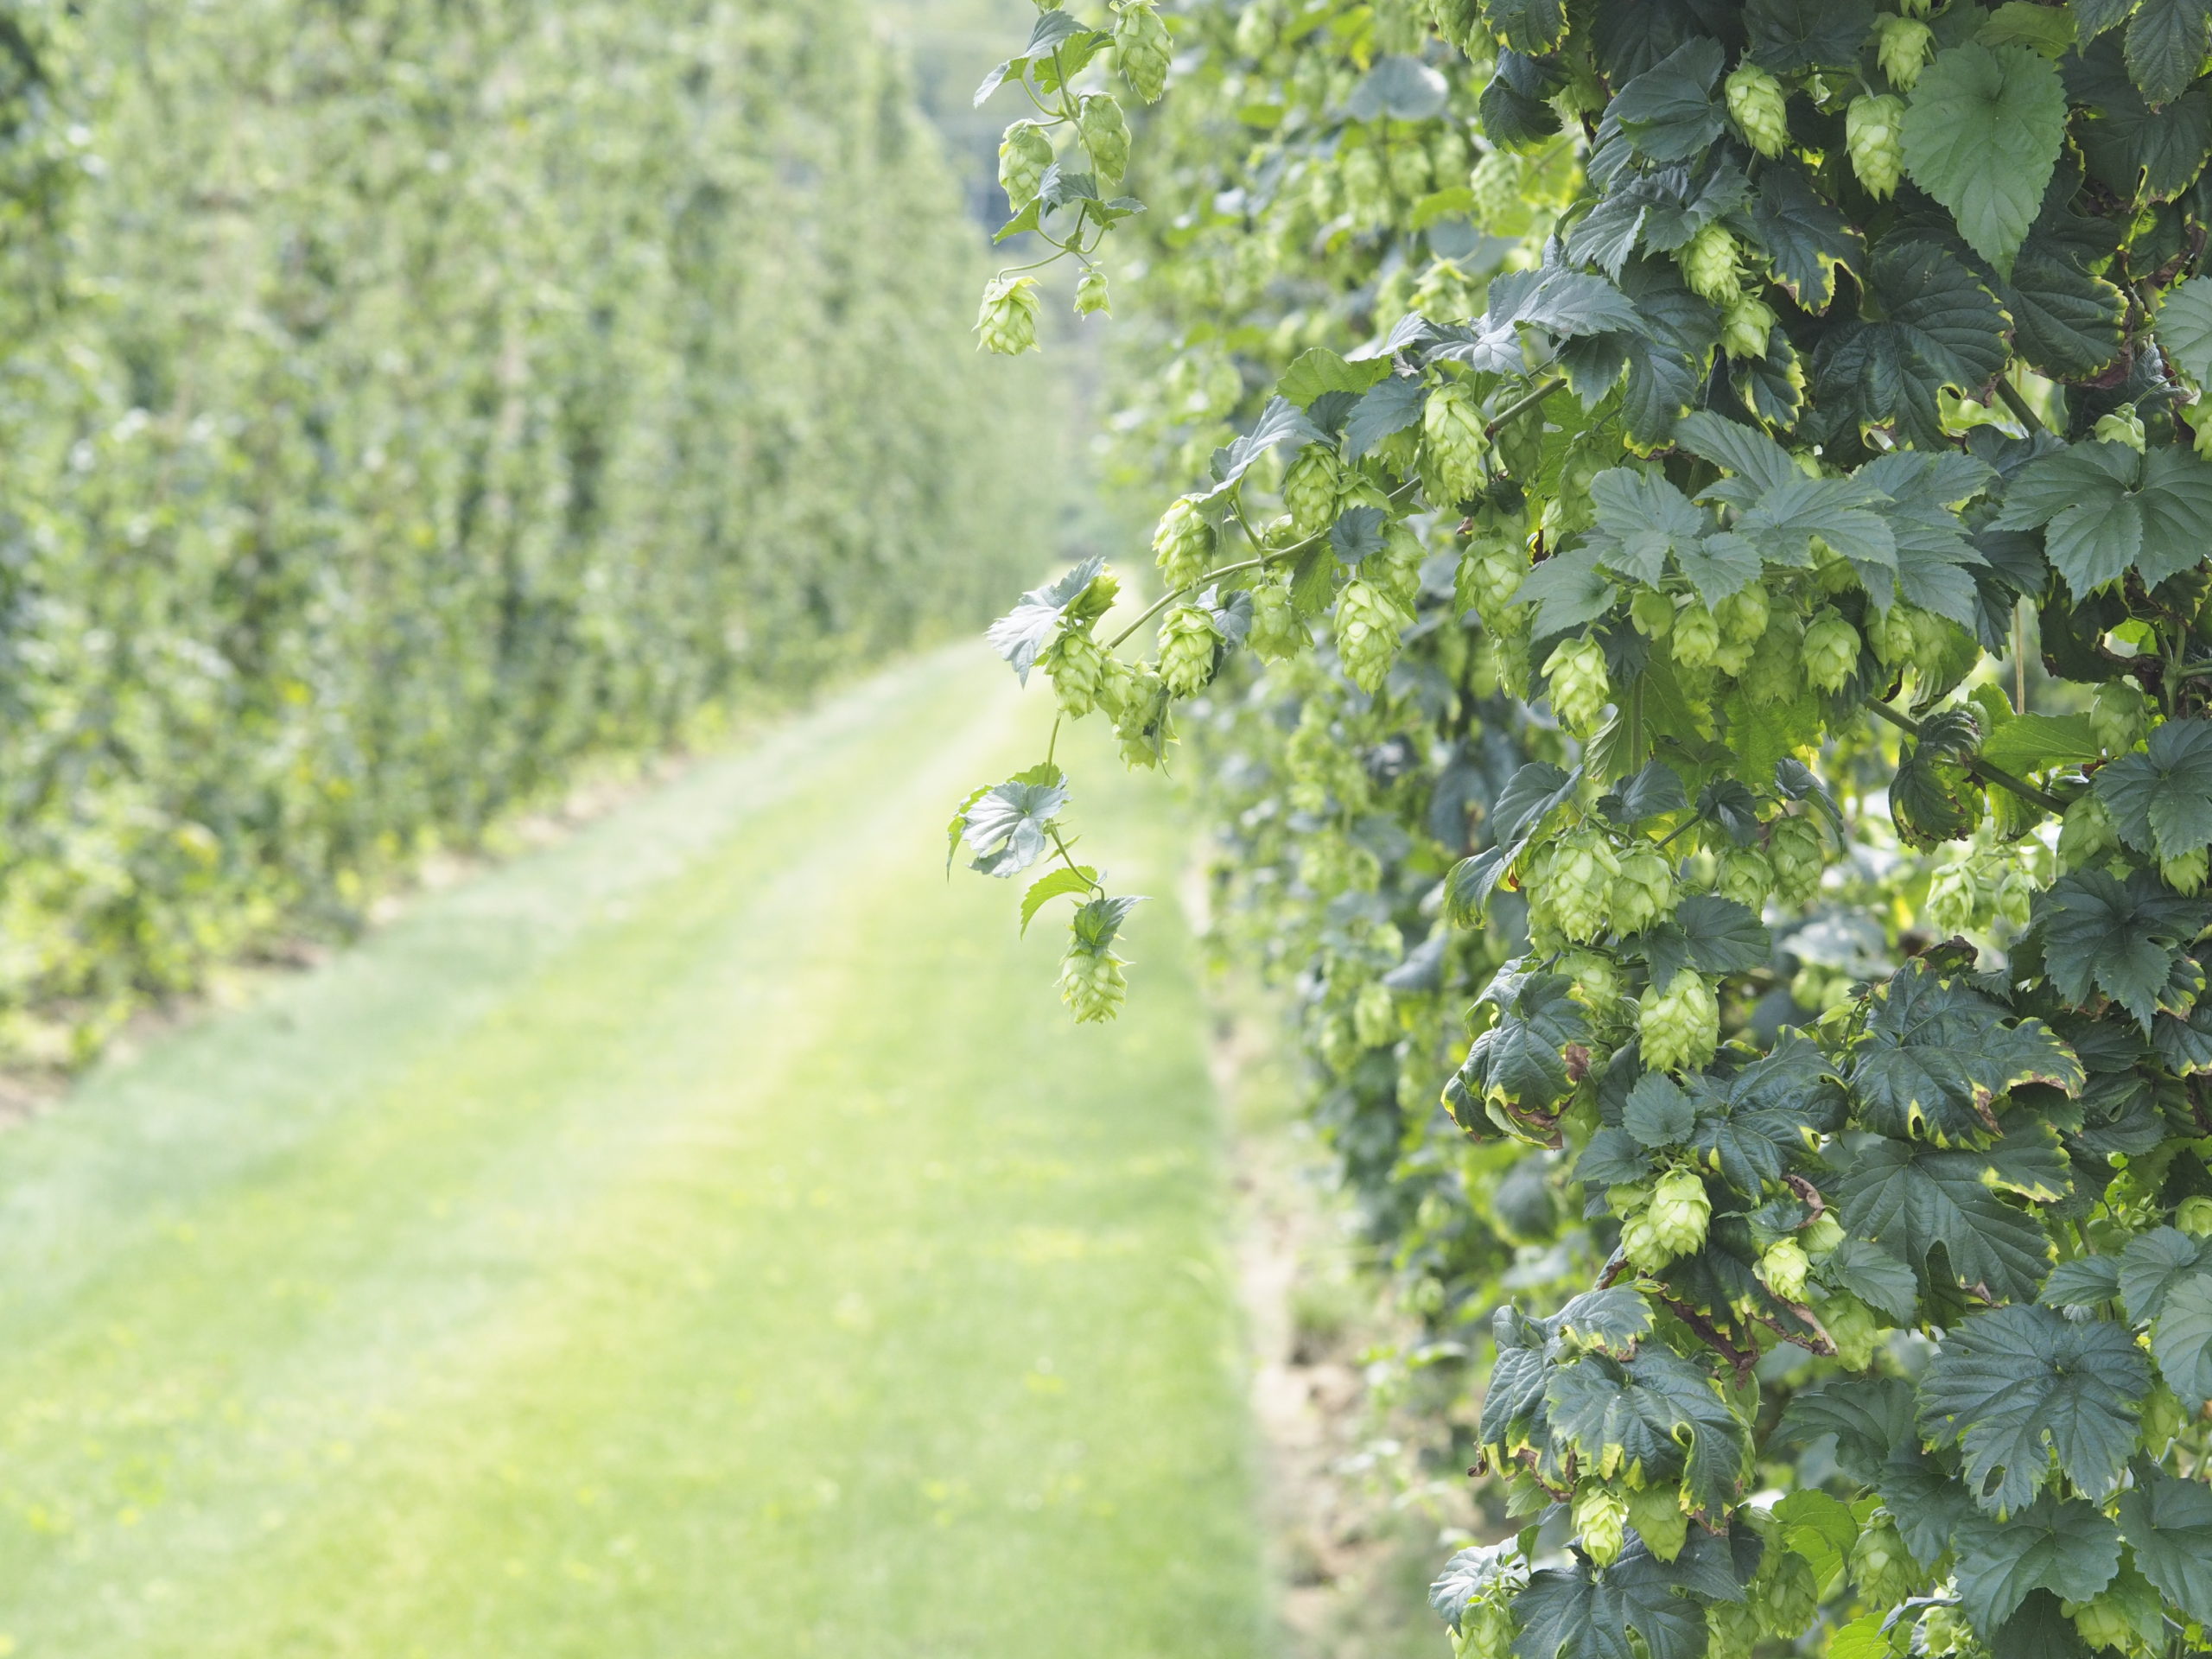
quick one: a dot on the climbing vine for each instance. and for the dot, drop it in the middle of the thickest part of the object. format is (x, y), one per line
(1699, 615)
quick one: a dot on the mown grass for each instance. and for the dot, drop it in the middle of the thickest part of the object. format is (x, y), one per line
(703, 1237)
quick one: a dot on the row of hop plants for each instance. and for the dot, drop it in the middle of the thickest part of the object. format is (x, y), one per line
(1692, 620)
(406, 403)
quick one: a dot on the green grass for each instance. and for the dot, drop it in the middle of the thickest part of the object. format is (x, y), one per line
(707, 1236)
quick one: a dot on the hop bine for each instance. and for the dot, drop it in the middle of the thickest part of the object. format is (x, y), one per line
(1008, 321)
(1873, 129)
(1140, 46)
(1760, 108)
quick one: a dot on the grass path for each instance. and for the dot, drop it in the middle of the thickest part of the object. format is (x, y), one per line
(704, 1237)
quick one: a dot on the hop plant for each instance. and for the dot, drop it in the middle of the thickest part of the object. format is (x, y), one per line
(1747, 327)
(1579, 884)
(1142, 48)
(1368, 630)
(1187, 637)
(1901, 47)
(1697, 636)
(1781, 1268)
(1601, 1522)
(1680, 1023)
(1077, 665)
(1744, 874)
(1760, 107)
(1007, 320)
(1453, 443)
(1679, 1211)
(1710, 265)
(1090, 294)
(1105, 134)
(1310, 486)
(1579, 686)
(2086, 835)
(1183, 543)
(1831, 654)
(1093, 983)
(1873, 130)
(1644, 892)
(2119, 717)
(1881, 1565)
(1797, 853)
(1275, 632)
(1024, 152)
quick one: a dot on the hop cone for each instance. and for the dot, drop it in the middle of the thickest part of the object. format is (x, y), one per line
(1744, 614)
(1579, 885)
(1183, 543)
(1850, 1325)
(1580, 688)
(1644, 892)
(1105, 134)
(2121, 426)
(1656, 1512)
(1882, 1567)
(1823, 1236)
(1407, 163)
(1783, 1267)
(1680, 1024)
(1141, 47)
(1309, 487)
(1491, 573)
(1008, 321)
(1894, 637)
(2185, 872)
(2119, 718)
(1747, 327)
(1873, 129)
(1142, 723)
(2194, 1216)
(2085, 835)
(1744, 874)
(1496, 186)
(1776, 672)
(1761, 109)
(1731, 1630)
(1679, 1211)
(1374, 1016)
(1831, 653)
(1453, 443)
(1368, 627)
(1395, 571)
(1276, 631)
(1901, 45)
(1784, 1596)
(1024, 154)
(1640, 1243)
(1797, 853)
(1090, 294)
(1653, 613)
(1077, 665)
(1601, 1521)
(1092, 984)
(2164, 1416)
(1697, 636)
(2106, 1621)
(1486, 1632)
(1187, 649)
(1460, 22)
(1710, 263)
(1954, 899)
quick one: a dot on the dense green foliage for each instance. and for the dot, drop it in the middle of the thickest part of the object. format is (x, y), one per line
(403, 400)
(1715, 491)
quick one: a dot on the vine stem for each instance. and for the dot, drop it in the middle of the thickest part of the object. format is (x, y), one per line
(1980, 768)
(2009, 395)
(1524, 404)
(1214, 575)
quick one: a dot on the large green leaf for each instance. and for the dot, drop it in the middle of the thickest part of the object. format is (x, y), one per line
(2066, 323)
(1910, 1199)
(2184, 328)
(1939, 328)
(1586, 1613)
(2154, 1264)
(2182, 1339)
(2067, 1547)
(1642, 521)
(2169, 1526)
(1805, 236)
(2099, 934)
(1006, 826)
(2160, 798)
(2107, 510)
(2165, 47)
(1936, 1054)
(1788, 35)
(2129, 147)
(1519, 1059)
(1658, 1420)
(1668, 111)
(1534, 26)
(1982, 135)
(2016, 1385)
(1025, 630)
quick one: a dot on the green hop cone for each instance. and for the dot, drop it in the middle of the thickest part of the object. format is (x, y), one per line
(1142, 48)
(1644, 892)
(2086, 835)
(1449, 156)
(1894, 637)
(1486, 1632)
(1024, 152)
(1368, 629)
(2122, 426)
(1092, 984)
(2119, 718)
(1744, 615)
(1744, 874)
(1776, 672)
(2126, 1616)
(1796, 852)
(2185, 872)
(1601, 1523)
(1697, 636)
(2164, 1416)
(1820, 1235)
(1090, 294)
(1656, 1512)
(1395, 571)
(1183, 543)
(1490, 574)
(1309, 487)
(2194, 1216)
(1785, 1595)
(1653, 613)
(1187, 637)
(1495, 184)
(1008, 321)
(1831, 654)
(1901, 45)
(1374, 1016)
(1680, 1210)
(1596, 979)
(1579, 686)
(1275, 632)
(1711, 264)
(1142, 722)
(1760, 109)
(1680, 1023)
(1781, 1268)
(1640, 1243)
(1453, 444)
(1747, 327)
(1105, 134)
(1077, 665)
(1407, 163)
(1881, 1565)
(1731, 1630)
(1873, 129)
(1954, 903)
(1850, 1325)
(1578, 884)
(1945, 1630)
